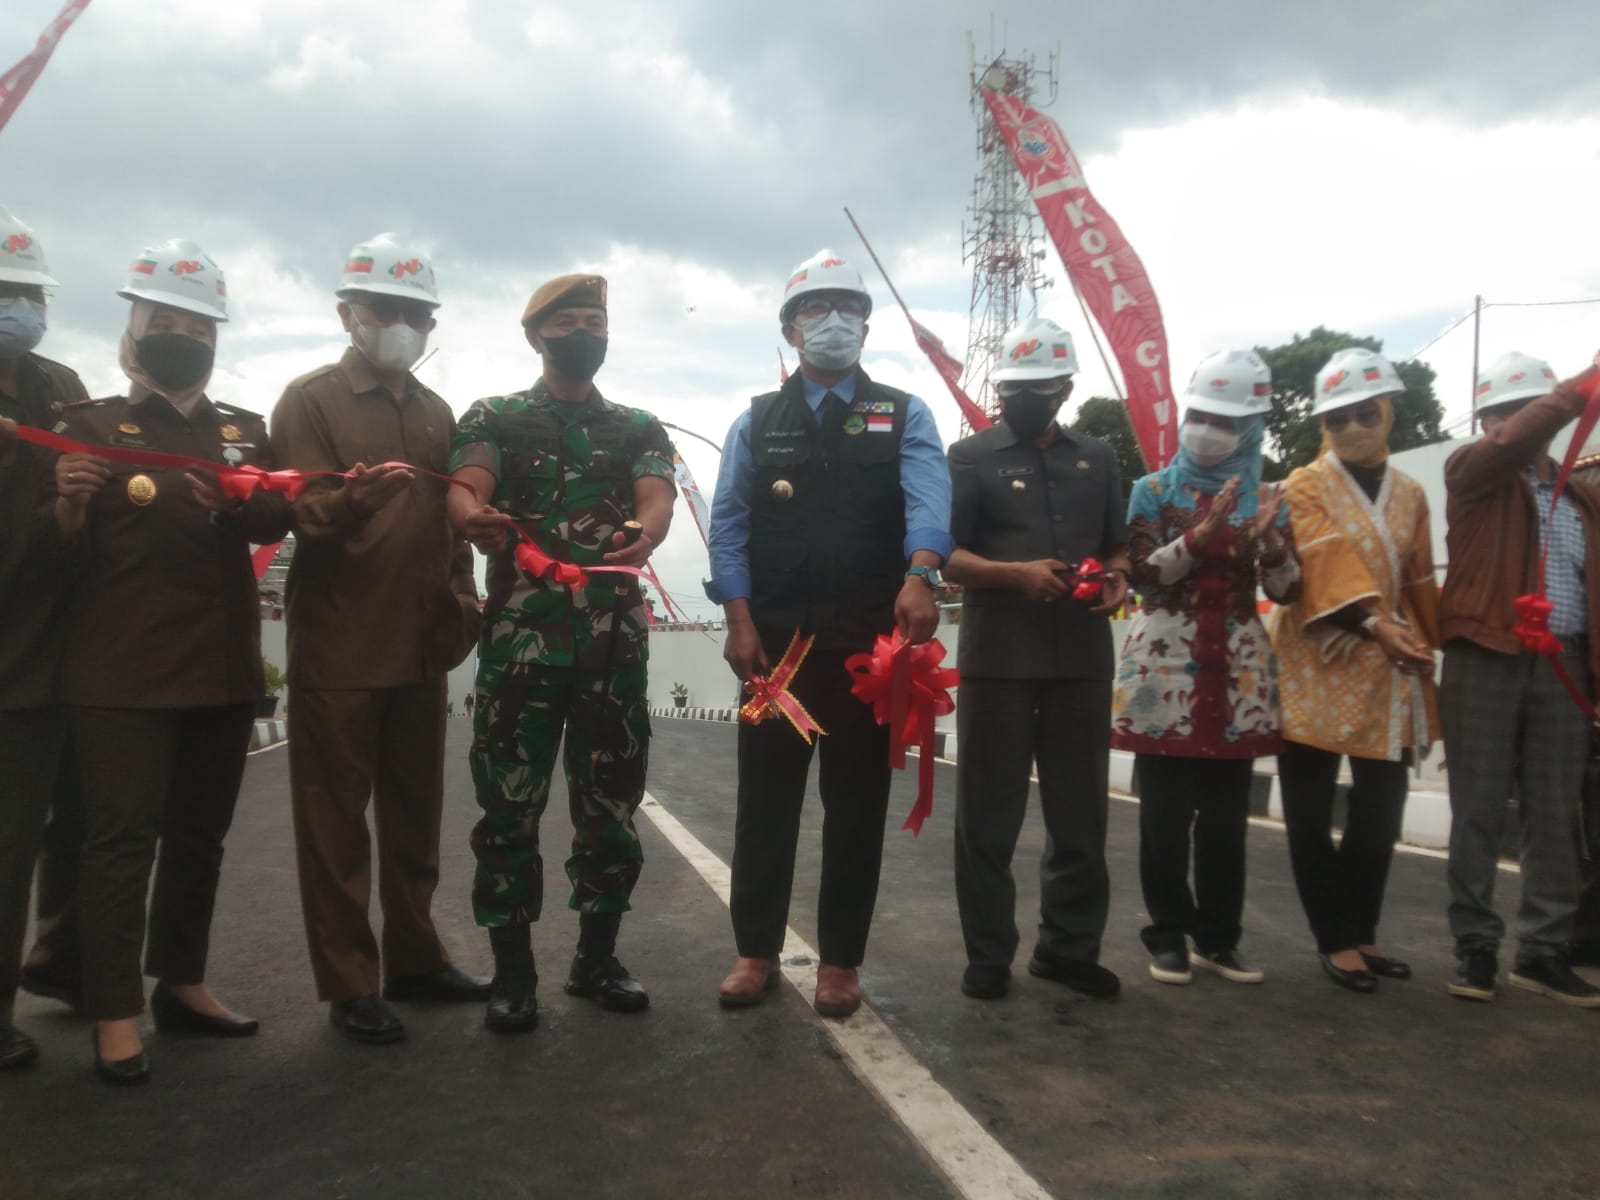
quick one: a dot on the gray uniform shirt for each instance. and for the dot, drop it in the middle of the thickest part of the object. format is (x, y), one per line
(1013, 502)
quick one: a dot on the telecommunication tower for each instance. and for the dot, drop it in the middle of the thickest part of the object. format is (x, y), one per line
(1000, 236)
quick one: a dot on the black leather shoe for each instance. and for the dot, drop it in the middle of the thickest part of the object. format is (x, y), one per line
(986, 981)
(47, 987)
(448, 985)
(366, 1019)
(1386, 968)
(174, 1016)
(127, 1072)
(17, 1049)
(1363, 981)
(513, 1007)
(607, 982)
(1079, 974)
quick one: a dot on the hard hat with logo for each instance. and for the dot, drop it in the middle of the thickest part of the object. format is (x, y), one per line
(824, 271)
(21, 256)
(1036, 348)
(1354, 375)
(1230, 383)
(1511, 377)
(180, 275)
(386, 266)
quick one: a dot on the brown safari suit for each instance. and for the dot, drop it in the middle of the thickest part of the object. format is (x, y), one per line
(379, 608)
(161, 672)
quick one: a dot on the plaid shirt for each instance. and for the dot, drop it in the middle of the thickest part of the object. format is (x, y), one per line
(1563, 536)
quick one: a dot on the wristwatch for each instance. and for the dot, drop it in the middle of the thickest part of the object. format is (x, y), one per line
(928, 575)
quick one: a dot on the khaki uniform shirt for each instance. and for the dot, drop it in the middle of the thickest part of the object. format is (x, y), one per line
(165, 613)
(32, 573)
(372, 601)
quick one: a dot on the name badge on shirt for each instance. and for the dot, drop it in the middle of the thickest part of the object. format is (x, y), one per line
(1014, 472)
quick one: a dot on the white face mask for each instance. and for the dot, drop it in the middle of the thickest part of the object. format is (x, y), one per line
(389, 347)
(1207, 444)
(832, 342)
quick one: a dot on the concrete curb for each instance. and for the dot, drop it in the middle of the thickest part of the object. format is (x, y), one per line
(268, 733)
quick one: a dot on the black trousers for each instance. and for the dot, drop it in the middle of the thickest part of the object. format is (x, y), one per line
(1213, 796)
(30, 750)
(1005, 726)
(1341, 887)
(57, 955)
(854, 781)
(153, 777)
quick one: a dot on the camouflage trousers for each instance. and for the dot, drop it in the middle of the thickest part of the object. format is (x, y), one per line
(519, 715)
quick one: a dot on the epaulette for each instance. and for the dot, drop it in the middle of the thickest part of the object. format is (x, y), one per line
(233, 410)
(93, 403)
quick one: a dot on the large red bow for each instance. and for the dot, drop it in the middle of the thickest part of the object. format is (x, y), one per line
(770, 695)
(907, 689)
(541, 566)
(1533, 609)
(241, 482)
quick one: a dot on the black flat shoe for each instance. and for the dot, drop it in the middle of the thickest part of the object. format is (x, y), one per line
(17, 1049)
(1362, 981)
(447, 985)
(1079, 974)
(986, 981)
(1388, 968)
(366, 1019)
(607, 982)
(174, 1016)
(127, 1072)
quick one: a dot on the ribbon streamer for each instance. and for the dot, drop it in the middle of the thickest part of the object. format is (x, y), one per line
(907, 689)
(1087, 579)
(770, 696)
(1533, 609)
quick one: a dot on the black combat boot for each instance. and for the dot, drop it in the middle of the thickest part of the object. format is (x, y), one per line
(512, 1006)
(596, 973)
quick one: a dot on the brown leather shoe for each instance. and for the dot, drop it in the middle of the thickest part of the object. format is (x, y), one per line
(838, 991)
(749, 982)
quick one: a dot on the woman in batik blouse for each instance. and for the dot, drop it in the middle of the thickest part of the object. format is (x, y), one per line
(1355, 655)
(1196, 694)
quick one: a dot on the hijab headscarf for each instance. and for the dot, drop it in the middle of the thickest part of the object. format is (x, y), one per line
(140, 315)
(1357, 446)
(1183, 480)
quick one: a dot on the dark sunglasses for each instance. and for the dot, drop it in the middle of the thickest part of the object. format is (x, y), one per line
(845, 306)
(1367, 418)
(1036, 387)
(414, 315)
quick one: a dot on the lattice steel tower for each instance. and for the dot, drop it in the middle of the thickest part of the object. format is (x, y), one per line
(1000, 236)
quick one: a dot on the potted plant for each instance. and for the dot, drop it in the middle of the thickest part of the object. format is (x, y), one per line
(275, 681)
(680, 695)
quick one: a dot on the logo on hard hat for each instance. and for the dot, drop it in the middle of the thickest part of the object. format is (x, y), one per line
(358, 266)
(799, 277)
(1218, 384)
(143, 266)
(1058, 351)
(185, 266)
(1547, 372)
(410, 267)
(1261, 389)
(1023, 349)
(1335, 380)
(1485, 386)
(831, 262)
(17, 243)
(1520, 375)
(1371, 373)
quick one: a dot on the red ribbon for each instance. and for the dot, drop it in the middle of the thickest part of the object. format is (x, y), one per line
(1533, 610)
(907, 689)
(1088, 579)
(543, 565)
(770, 695)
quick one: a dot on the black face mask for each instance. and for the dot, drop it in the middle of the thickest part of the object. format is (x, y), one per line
(577, 355)
(173, 360)
(1030, 414)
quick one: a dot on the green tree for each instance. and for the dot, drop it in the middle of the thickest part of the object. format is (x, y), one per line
(1296, 436)
(1107, 419)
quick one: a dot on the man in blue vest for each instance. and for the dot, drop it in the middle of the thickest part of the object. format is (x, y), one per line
(831, 519)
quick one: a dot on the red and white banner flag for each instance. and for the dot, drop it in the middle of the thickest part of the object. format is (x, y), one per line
(950, 370)
(1102, 265)
(14, 84)
(691, 495)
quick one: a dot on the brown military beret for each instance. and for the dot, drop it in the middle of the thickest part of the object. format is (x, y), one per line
(565, 291)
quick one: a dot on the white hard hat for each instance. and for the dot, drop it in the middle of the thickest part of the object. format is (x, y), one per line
(1036, 348)
(21, 256)
(386, 266)
(1354, 375)
(180, 275)
(1231, 383)
(824, 271)
(1513, 376)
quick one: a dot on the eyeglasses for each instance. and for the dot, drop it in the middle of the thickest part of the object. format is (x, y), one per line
(1367, 418)
(389, 311)
(1035, 387)
(813, 307)
(22, 291)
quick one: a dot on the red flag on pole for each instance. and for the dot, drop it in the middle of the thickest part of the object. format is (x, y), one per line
(950, 370)
(14, 84)
(1104, 267)
(783, 368)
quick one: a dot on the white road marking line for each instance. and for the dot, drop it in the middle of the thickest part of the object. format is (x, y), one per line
(976, 1165)
(264, 749)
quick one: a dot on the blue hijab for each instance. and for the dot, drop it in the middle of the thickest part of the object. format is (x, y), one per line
(1181, 480)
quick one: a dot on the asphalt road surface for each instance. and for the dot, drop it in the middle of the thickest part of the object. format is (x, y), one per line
(1293, 1088)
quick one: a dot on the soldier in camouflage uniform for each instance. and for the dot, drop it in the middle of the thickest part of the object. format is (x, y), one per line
(566, 466)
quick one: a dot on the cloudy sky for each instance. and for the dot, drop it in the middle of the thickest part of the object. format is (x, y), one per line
(1367, 166)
